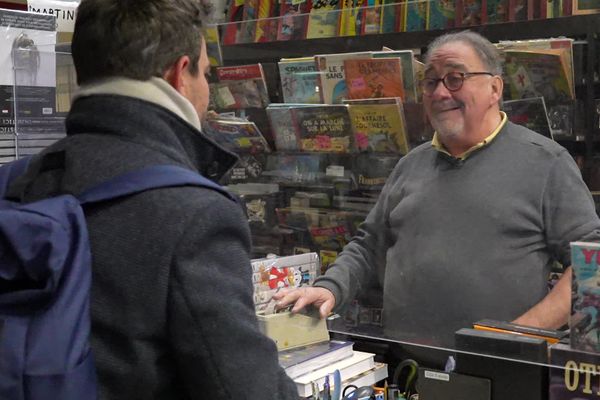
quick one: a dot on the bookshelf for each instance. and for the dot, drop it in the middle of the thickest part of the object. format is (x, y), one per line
(582, 28)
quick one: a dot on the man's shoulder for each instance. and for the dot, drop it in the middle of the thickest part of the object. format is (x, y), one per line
(522, 136)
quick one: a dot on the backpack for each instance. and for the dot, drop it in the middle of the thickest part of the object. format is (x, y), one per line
(45, 279)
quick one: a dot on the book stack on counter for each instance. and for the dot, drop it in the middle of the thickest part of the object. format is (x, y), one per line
(311, 365)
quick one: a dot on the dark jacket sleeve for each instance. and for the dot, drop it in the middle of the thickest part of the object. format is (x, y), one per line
(219, 350)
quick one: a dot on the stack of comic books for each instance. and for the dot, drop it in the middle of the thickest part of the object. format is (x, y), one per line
(531, 113)
(395, 77)
(542, 68)
(241, 86)
(272, 274)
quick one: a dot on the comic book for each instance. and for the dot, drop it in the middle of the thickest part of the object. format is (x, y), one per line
(415, 15)
(299, 80)
(537, 73)
(584, 322)
(407, 61)
(371, 17)
(323, 19)
(564, 44)
(379, 126)
(518, 10)
(293, 19)
(240, 86)
(498, 10)
(374, 78)
(235, 13)
(351, 17)
(441, 14)
(531, 113)
(372, 170)
(213, 45)
(271, 274)
(285, 131)
(332, 77)
(324, 128)
(469, 13)
(266, 26)
(295, 167)
(391, 16)
(247, 30)
(233, 95)
(237, 135)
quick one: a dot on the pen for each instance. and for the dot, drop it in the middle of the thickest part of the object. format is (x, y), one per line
(326, 389)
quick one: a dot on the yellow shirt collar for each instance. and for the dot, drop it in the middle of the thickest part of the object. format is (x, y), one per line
(435, 142)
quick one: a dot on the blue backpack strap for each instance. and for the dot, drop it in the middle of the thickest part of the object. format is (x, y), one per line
(10, 172)
(153, 177)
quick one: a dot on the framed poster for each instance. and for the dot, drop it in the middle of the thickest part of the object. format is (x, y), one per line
(586, 6)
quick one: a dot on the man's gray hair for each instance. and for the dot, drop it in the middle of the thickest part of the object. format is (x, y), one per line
(487, 52)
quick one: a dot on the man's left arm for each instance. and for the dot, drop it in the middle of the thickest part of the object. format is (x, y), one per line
(569, 215)
(552, 311)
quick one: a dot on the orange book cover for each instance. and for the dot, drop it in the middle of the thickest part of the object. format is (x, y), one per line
(374, 78)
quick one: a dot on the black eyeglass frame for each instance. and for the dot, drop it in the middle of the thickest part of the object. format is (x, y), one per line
(436, 81)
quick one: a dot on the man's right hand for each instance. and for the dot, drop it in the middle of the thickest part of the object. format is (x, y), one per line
(319, 297)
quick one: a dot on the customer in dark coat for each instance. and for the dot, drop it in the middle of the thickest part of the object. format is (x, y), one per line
(171, 302)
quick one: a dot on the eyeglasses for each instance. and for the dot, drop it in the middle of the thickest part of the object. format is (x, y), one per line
(452, 81)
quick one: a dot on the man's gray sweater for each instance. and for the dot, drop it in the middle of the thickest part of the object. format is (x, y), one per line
(456, 240)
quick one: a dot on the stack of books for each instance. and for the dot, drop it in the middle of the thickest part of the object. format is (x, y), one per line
(310, 365)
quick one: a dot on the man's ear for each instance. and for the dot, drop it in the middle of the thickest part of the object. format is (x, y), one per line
(497, 87)
(175, 74)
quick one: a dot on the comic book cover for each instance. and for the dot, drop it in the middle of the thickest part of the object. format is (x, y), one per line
(351, 17)
(564, 45)
(295, 167)
(537, 73)
(293, 19)
(332, 76)
(518, 10)
(248, 25)
(407, 61)
(391, 16)
(498, 10)
(285, 132)
(416, 15)
(233, 95)
(213, 45)
(331, 237)
(372, 170)
(240, 86)
(299, 80)
(272, 274)
(469, 13)
(374, 78)
(324, 128)
(231, 31)
(584, 322)
(266, 26)
(371, 17)
(237, 135)
(531, 113)
(441, 14)
(323, 19)
(379, 127)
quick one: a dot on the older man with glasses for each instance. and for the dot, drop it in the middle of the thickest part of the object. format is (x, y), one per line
(467, 226)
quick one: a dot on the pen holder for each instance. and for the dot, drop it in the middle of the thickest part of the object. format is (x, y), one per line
(290, 330)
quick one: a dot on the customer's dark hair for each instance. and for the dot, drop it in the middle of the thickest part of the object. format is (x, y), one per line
(487, 52)
(136, 39)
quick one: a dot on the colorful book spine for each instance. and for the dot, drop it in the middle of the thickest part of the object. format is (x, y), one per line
(441, 14)
(416, 16)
